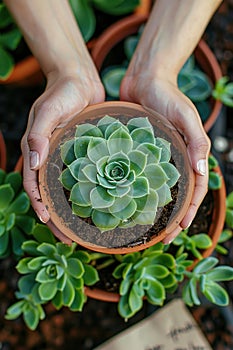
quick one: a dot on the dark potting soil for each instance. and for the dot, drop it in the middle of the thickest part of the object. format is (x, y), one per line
(201, 223)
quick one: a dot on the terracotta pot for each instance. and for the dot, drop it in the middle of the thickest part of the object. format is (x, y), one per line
(19, 165)
(2, 152)
(114, 241)
(216, 227)
(143, 8)
(130, 25)
(219, 214)
(25, 72)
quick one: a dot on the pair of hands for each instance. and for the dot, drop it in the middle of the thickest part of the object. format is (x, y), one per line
(65, 96)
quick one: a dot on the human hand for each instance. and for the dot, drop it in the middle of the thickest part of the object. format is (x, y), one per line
(64, 97)
(163, 96)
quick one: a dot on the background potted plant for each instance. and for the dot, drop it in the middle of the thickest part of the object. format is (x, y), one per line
(2, 152)
(111, 175)
(52, 272)
(94, 16)
(19, 66)
(197, 79)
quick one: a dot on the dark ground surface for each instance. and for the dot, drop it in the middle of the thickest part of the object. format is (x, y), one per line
(100, 321)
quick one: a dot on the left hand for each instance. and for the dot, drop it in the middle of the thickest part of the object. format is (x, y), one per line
(164, 96)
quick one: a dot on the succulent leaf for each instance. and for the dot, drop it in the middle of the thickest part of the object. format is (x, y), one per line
(67, 152)
(118, 174)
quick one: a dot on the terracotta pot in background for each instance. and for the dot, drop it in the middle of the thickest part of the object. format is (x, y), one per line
(143, 8)
(25, 73)
(19, 165)
(2, 152)
(72, 226)
(130, 25)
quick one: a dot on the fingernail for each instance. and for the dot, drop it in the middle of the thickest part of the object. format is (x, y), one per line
(187, 226)
(45, 218)
(34, 159)
(201, 166)
(169, 241)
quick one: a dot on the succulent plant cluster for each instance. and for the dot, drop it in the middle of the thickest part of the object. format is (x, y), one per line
(16, 222)
(118, 174)
(51, 271)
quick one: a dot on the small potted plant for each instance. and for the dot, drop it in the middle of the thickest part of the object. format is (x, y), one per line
(95, 16)
(17, 65)
(197, 78)
(16, 219)
(117, 178)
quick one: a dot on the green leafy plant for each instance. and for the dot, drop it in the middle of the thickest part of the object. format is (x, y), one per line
(153, 273)
(194, 243)
(192, 81)
(215, 180)
(229, 211)
(223, 91)
(52, 271)
(144, 274)
(205, 277)
(227, 233)
(16, 221)
(85, 12)
(10, 38)
(118, 174)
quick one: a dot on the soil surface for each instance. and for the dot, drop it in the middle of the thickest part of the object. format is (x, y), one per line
(100, 321)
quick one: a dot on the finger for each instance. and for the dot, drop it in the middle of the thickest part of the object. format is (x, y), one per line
(172, 235)
(58, 233)
(196, 139)
(200, 190)
(198, 151)
(30, 183)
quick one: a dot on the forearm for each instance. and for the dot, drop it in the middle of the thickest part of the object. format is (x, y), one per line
(172, 32)
(51, 33)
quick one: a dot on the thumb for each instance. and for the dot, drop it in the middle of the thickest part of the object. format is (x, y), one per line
(39, 148)
(198, 151)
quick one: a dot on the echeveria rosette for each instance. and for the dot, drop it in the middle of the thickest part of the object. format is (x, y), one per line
(118, 174)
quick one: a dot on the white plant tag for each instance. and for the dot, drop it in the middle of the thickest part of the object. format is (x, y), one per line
(170, 328)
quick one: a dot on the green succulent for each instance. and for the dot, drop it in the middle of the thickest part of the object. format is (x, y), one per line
(227, 233)
(10, 38)
(205, 277)
(147, 274)
(223, 91)
(15, 220)
(215, 179)
(229, 211)
(31, 310)
(118, 174)
(85, 12)
(193, 243)
(59, 271)
(52, 271)
(154, 273)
